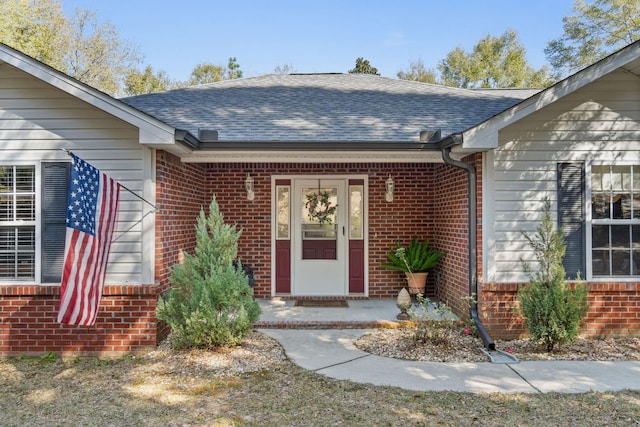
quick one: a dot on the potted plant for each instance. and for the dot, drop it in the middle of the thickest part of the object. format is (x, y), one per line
(414, 260)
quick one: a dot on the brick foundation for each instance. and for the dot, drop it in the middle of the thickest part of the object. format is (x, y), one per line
(126, 322)
(614, 309)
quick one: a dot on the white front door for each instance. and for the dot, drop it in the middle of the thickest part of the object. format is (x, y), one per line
(319, 241)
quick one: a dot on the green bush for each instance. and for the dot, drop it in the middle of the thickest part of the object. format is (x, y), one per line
(211, 303)
(415, 258)
(553, 310)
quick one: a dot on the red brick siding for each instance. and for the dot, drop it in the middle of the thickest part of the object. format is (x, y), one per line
(614, 310)
(451, 233)
(126, 322)
(408, 215)
(180, 195)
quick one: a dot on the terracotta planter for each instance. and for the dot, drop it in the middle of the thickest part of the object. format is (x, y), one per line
(416, 282)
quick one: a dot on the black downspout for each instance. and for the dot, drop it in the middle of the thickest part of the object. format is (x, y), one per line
(473, 268)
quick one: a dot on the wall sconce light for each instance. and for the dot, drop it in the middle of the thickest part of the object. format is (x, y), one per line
(388, 189)
(248, 185)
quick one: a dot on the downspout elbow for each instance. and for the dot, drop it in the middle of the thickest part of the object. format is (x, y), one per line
(473, 268)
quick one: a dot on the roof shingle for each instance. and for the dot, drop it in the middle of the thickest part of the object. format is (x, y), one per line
(323, 107)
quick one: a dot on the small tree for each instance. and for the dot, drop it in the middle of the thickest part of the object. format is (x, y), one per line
(552, 309)
(233, 69)
(211, 303)
(364, 67)
(418, 73)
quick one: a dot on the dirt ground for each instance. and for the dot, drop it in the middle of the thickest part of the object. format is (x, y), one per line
(255, 385)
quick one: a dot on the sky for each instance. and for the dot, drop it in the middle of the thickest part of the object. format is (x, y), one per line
(321, 36)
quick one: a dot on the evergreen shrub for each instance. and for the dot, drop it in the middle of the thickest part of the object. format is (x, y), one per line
(553, 310)
(211, 303)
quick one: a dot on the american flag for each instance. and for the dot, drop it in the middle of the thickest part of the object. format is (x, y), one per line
(91, 215)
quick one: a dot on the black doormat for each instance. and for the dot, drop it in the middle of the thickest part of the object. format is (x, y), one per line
(321, 303)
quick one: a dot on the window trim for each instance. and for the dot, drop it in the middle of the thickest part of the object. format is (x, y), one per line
(36, 222)
(590, 222)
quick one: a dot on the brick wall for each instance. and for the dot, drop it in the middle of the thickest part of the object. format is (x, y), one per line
(451, 231)
(614, 307)
(126, 322)
(614, 310)
(180, 195)
(409, 214)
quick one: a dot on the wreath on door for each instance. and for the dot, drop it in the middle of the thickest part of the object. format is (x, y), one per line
(319, 207)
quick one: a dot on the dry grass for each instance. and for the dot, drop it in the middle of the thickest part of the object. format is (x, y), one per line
(255, 385)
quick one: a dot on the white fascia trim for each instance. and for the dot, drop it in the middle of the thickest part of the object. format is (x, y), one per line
(265, 156)
(152, 131)
(485, 135)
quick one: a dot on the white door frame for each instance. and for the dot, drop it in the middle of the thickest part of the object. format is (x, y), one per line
(345, 178)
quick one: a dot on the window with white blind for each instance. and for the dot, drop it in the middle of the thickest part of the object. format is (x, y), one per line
(17, 222)
(19, 229)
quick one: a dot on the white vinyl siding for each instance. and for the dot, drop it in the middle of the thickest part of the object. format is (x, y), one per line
(598, 124)
(37, 121)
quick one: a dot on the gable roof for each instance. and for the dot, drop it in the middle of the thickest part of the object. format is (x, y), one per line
(323, 108)
(484, 135)
(152, 131)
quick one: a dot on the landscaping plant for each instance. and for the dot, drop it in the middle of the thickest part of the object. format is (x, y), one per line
(552, 308)
(435, 324)
(211, 303)
(418, 256)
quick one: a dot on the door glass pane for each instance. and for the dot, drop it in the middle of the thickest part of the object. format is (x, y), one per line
(319, 205)
(283, 212)
(355, 211)
(319, 228)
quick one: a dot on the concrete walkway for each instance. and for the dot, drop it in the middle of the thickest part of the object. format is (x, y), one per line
(331, 352)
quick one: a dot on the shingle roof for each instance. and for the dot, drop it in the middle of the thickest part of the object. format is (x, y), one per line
(323, 107)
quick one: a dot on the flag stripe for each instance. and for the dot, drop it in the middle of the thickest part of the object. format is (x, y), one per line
(90, 232)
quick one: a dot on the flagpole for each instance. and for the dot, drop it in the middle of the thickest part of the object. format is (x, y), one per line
(155, 208)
